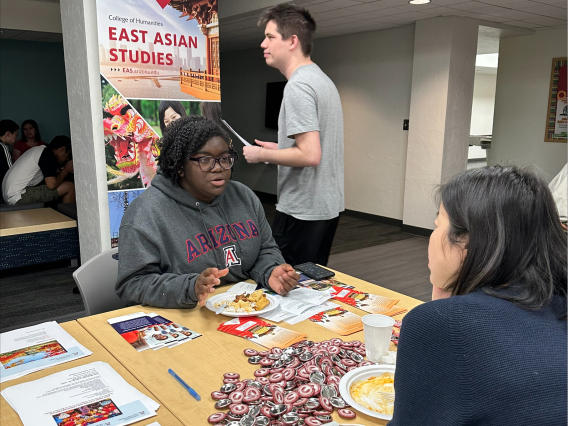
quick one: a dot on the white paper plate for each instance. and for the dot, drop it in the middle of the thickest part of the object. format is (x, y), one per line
(357, 375)
(218, 298)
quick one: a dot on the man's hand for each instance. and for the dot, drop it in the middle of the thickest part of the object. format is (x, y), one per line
(283, 279)
(68, 166)
(266, 145)
(253, 154)
(204, 284)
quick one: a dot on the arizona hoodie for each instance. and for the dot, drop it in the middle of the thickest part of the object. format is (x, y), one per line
(168, 238)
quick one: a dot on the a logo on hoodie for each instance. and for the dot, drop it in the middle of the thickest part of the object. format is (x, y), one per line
(231, 257)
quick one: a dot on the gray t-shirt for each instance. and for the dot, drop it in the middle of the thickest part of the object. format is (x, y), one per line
(311, 103)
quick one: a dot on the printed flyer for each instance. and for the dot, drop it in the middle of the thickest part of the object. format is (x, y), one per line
(368, 302)
(151, 331)
(159, 61)
(35, 348)
(261, 332)
(89, 394)
(339, 321)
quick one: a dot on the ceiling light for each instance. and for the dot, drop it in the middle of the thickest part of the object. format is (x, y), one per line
(419, 1)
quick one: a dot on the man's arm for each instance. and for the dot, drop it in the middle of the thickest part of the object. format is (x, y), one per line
(306, 152)
(53, 182)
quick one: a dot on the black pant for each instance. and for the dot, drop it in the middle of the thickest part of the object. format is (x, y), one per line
(303, 241)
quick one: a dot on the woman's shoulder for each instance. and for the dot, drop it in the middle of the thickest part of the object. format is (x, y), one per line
(20, 144)
(151, 203)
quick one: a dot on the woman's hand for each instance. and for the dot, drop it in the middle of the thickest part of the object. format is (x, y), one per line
(205, 282)
(283, 279)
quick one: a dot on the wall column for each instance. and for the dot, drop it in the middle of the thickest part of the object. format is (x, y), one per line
(80, 44)
(443, 74)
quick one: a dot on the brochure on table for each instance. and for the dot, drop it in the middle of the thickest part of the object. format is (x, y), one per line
(261, 332)
(151, 331)
(86, 394)
(35, 348)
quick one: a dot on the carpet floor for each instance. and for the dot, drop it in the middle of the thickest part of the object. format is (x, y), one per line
(34, 294)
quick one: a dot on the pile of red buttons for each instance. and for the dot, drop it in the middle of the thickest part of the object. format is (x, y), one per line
(295, 386)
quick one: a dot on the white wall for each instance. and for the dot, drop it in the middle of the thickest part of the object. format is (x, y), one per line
(30, 15)
(373, 73)
(483, 104)
(523, 82)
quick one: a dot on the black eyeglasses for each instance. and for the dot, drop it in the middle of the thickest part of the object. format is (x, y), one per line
(207, 164)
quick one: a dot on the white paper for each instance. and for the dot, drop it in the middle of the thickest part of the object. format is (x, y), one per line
(276, 315)
(242, 287)
(83, 392)
(154, 424)
(311, 312)
(235, 133)
(308, 295)
(35, 348)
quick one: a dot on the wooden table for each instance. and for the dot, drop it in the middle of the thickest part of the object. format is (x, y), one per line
(202, 362)
(8, 416)
(30, 221)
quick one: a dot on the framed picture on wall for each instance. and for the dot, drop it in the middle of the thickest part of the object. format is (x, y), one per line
(557, 112)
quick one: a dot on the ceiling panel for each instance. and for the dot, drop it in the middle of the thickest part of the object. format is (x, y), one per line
(335, 17)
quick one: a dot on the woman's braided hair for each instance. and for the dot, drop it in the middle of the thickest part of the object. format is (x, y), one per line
(183, 138)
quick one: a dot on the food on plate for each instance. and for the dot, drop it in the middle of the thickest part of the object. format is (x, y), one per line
(375, 393)
(246, 303)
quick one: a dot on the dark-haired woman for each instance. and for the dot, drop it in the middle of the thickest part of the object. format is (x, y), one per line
(492, 349)
(168, 112)
(194, 228)
(30, 137)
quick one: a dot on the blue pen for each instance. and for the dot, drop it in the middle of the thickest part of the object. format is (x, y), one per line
(185, 385)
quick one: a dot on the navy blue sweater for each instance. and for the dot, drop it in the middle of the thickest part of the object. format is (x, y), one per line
(480, 360)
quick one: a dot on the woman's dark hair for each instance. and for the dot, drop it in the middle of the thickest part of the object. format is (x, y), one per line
(507, 219)
(35, 126)
(185, 137)
(177, 106)
(212, 111)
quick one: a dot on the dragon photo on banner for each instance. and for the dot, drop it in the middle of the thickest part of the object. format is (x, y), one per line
(159, 60)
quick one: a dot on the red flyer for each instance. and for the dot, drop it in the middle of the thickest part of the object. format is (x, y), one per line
(368, 302)
(261, 332)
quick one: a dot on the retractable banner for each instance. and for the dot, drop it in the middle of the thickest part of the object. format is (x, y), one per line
(159, 61)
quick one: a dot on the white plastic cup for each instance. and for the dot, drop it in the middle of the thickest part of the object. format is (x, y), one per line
(378, 331)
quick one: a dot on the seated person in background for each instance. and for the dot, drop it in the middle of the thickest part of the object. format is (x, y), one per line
(194, 228)
(168, 112)
(8, 135)
(36, 178)
(30, 137)
(494, 351)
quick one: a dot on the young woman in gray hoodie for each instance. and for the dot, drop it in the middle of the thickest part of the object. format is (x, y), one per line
(194, 228)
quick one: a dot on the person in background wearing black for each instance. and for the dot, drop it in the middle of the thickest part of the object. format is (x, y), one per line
(490, 349)
(30, 137)
(8, 135)
(36, 178)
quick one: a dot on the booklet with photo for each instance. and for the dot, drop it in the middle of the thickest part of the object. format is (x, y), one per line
(339, 321)
(83, 395)
(35, 348)
(139, 330)
(321, 285)
(175, 334)
(261, 332)
(368, 302)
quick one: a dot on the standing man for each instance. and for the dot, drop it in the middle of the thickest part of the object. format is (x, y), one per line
(309, 152)
(8, 135)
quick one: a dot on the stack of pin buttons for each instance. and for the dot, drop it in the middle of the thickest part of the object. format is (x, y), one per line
(296, 386)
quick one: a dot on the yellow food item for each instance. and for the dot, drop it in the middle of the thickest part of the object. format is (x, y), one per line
(375, 393)
(256, 295)
(261, 303)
